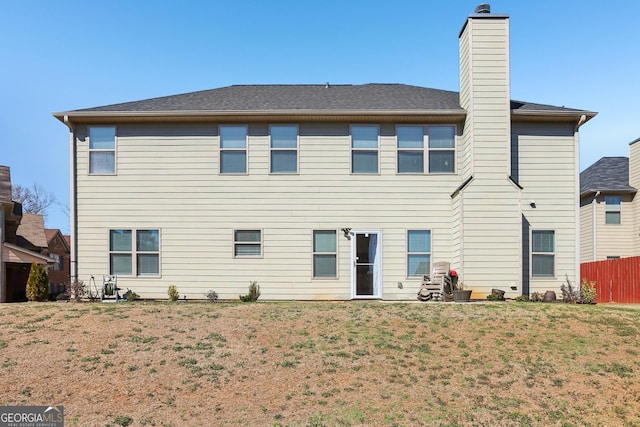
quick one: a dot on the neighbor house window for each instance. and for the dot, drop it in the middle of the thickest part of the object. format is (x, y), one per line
(418, 252)
(284, 149)
(364, 149)
(442, 149)
(612, 209)
(102, 150)
(134, 252)
(247, 243)
(410, 140)
(233, 149)
(543, 253)
(325, 254)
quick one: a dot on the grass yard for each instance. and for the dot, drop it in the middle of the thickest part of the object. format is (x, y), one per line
(324, 364)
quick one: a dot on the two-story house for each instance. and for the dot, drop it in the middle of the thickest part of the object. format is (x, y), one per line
(330, 192)
(609, 208)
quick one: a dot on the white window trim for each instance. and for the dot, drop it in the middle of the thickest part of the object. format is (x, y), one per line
(351, 149)
(610, 208)
(103, 150)
(245, 150)
(428, 149)
(234, 243)
(134, 252)
(297, 150)
(314, 253)
(407, 253)
(532, 253)
(425, 153)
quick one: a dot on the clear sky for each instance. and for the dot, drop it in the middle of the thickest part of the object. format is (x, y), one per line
(71, 54)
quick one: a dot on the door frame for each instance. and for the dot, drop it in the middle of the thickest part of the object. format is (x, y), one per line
(377, 286)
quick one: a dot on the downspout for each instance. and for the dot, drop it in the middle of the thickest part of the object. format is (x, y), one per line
(73, 202)
(581, 121)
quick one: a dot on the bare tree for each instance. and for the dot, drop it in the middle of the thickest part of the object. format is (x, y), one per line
(34, 199)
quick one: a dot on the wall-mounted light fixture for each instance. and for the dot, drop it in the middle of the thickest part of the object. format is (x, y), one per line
(347, 232)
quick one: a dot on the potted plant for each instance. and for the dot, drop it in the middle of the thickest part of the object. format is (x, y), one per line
(460, 294)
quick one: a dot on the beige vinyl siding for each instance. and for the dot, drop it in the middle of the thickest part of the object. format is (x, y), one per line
(168, 179)
(547, 159)
(634, 181)
(613, 239)
(586, 230)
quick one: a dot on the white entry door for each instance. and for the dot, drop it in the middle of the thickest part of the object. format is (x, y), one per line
(366, 257)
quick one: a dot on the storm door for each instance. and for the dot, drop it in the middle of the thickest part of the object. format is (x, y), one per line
(366, 255)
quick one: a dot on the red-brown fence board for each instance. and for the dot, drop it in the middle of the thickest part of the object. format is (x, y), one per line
(617, 280)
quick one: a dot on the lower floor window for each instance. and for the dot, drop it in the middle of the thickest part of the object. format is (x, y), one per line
(418, 252)
(324, 254)
(247, 243)
(543, 253)
(134, 252)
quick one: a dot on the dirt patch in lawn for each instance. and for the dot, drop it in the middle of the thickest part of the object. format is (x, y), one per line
(323, 364)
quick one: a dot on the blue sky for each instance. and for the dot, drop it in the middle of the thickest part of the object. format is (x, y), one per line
(66, 55)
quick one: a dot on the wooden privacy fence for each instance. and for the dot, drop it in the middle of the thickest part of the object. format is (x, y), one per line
(617, 280)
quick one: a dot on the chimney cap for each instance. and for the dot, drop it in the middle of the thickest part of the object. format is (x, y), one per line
(483, 8)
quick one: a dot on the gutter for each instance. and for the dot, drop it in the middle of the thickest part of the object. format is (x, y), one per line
(73, 201)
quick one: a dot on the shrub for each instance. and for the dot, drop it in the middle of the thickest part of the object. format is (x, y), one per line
(38, 283)
(522, 298)
(132, 296)
(173, 293)
(495, 297)
(569, 294)
(212, 296)
(536, 297)
(588, 292)
(254, 293)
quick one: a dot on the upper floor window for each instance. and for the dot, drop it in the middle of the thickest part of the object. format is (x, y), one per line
(543, 253)
(418, 252)
(247, 243)
(102, 150)
(442, 149)
(284, 149)
(233, 149)
(364, 149)
(139, 259)
(410, 149)
(612, 209)
(325, 254)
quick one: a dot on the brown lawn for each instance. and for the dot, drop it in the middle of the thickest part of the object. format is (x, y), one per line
(324, 364)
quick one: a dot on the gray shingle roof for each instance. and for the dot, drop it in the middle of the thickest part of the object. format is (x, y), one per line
(371, 97)
(607, 174)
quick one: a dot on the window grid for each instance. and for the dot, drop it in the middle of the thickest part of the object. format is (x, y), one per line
(247, 243)
(365, 143)
(102, 150)
(233, 149)
(410, 146)
(284, 143)
(325, 254)
(442, 149)
(139, 259)
(418, 253)
(543, 253)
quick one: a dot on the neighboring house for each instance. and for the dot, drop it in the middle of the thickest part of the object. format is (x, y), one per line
(58, 249)
(609, 208)
(20, 243)
(323, 192)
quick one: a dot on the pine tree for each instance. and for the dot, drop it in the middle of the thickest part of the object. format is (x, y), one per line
(38, 283)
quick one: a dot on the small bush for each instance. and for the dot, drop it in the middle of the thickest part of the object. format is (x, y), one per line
(38, 283)
(254, 293)
(212, 296)
(495, 297)
(132, 296)
(569, 294)
(536, 297)
(173, 293)
(522, 298)
(588, 292)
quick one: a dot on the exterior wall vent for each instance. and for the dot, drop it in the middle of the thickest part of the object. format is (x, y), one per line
(483, 8)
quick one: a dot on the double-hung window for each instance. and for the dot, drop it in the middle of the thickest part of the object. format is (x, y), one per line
(134, 252)
(612, 209)
(102, 150)
(233, 149)
(418, 252)
(442, 154)
(284, 149)
(543, 253)
(410, 140)
(364, 149)
(325, 254)
(247, 243)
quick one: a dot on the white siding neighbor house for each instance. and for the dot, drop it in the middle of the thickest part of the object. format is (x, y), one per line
(609, 207)
(330, 192)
